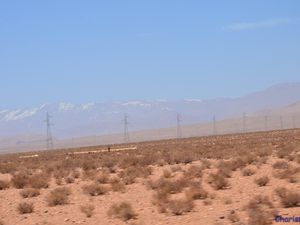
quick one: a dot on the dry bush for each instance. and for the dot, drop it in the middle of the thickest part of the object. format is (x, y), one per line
(39, 181)
(168, 186)
(288, 198)
(94, 189)
(289, 173)
(167, 173)
(218, 181)
(249, 158)
(58, 196)
(196, 191)
(117, 185)
(69, 180)
(262, 181)
(20, 180)
(206, 164)
(122, 211)
(88, 210)
(4, 185)
(103, 177)
(130, 174)
(161, 199)
(284, 152)
(180, 206)
(176, 168)
(29, 193)
(281, 164)
(25, 208)
(193, 172)
(248, 172)
(260, 211)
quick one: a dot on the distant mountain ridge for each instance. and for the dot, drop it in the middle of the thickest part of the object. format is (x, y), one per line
(77, 120)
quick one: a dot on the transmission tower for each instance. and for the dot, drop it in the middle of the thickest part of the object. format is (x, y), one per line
(126, 132)
(49, 139)
(266, 123)
(294, 121)
(281, 123)
(244, 123)
(178, 118)
(215, 125)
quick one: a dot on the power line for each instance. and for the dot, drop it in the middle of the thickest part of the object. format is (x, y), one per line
(49, 139)
(178, 118)
(126, 132)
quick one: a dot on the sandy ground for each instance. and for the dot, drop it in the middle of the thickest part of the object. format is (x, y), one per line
(236, 197)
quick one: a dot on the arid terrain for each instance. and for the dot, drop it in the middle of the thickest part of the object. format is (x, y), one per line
(231, 179)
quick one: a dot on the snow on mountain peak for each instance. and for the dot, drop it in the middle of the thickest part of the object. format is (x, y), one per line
(88, 106)
(136, 103)
(63, 106)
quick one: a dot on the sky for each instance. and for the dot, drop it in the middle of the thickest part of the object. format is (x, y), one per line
(101, 51)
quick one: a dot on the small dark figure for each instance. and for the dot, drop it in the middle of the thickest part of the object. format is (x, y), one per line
(108, 148)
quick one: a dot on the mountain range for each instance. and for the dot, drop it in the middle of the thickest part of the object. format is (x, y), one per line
(81, 120)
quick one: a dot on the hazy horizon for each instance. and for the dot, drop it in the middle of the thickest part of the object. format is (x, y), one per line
(101, 52)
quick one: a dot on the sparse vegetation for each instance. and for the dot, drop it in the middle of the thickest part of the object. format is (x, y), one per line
(58, 196)
(87, 210)
(262, 181)
(25, 208)
(94, 189)
(122, 211)
(29, 193)
(288, 198)
(218, 181)
(4, 185)
(180, 206)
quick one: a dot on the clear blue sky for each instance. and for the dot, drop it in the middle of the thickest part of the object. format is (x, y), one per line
(84, 51)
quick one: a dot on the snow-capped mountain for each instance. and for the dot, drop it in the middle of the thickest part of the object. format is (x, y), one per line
(76, 120)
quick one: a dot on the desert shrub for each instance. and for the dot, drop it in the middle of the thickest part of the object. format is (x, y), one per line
(288, 198)
(117, 185)
(69, 179)
(39, 181)
(249, 158)
(262, 181)
(206, 164)
(175, 168)
(4, 185)
(122, 211)
(20, 180)
(196, 191)
(193, 172)
(160, 199)
(94, 189)
(29, 193)
(58, 196)
(284, 151)
(130, 174)
(103, 177)
(280, 165)
(289, 173)
(88, 210)
(260, 211)
(248, 172)
(169, 186)
(25, 208)
(167, 173)
(218, 181)
(180, 206)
